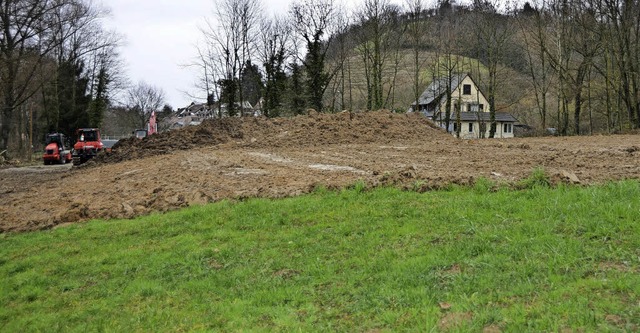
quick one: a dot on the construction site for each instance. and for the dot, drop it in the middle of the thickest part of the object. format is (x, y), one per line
(240, 158)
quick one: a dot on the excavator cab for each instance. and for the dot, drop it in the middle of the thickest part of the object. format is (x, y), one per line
(88, 145)
(140, 133)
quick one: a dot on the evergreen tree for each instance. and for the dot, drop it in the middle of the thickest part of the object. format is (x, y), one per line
(228, 95)
(66, 99)
(251, 83)
(296, 99)
(100, 102)
(275, 84)
(316, 79)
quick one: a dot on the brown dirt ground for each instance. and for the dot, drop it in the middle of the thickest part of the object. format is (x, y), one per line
(256, 157)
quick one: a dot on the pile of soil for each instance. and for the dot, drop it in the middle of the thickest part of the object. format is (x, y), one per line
(315, 129)
(235, 158)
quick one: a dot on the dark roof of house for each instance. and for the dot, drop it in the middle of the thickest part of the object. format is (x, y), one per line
(479, 116)
(438, 87)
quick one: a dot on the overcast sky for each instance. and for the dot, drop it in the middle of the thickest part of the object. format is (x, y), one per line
(160, 37)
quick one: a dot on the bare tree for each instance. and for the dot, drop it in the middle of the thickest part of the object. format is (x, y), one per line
(447, 63)
(623, 52)
(587, 46)
(417, 27)
(143, 99)
(209, 69)
(380, 41)
(533, 25)
(340, 53)
(26, 39)
(493, 33)
(577, 42)
(231, 42)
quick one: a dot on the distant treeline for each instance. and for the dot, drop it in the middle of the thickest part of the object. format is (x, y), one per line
(571, 65)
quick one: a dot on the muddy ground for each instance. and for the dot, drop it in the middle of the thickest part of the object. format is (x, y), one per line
(240, 158)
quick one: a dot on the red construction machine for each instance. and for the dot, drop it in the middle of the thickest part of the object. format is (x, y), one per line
(56, 150)
(152, 128)
(87, 146)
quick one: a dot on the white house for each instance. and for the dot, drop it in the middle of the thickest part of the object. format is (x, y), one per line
(473, 107)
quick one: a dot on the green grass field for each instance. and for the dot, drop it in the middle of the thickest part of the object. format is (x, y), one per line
(462, 259)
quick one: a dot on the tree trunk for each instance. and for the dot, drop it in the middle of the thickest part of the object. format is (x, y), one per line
(577, 110)
(7, 113)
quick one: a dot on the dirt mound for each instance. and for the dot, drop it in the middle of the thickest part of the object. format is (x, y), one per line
(210, 132)
(315, 129)
(288, 157)
(236, 158)
(319, 129)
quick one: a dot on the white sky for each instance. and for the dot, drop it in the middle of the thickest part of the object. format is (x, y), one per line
(161, 37)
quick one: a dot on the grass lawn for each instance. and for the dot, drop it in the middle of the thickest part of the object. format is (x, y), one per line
(463, 259)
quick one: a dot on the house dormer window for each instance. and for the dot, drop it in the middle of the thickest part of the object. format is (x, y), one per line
(466, 89)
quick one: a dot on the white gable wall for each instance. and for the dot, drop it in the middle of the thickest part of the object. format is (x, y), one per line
(458, 96)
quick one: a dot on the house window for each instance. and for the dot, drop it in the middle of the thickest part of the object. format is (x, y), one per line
(470, 127)
(466, 89)
(507, 128)
(455, 127)
(476, 107)
(483, 127)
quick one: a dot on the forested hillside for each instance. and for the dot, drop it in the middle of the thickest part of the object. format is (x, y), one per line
(570, 65)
